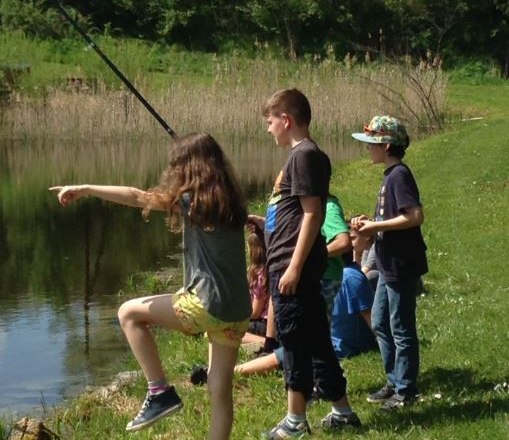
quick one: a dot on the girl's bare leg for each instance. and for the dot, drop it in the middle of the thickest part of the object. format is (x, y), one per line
(220, 377)
(136, 317)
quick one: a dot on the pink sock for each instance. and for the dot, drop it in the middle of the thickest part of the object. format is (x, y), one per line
(158, 387)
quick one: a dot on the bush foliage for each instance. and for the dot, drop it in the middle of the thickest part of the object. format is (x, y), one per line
(449, 28)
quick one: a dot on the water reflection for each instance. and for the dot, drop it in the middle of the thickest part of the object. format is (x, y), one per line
(45, 354)
(60, 274)
(61, 269)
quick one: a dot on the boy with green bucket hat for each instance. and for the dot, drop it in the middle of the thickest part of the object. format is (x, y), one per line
(401, 260)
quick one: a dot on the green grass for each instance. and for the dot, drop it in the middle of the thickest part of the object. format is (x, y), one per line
(149, 65)
(463, 174)
(52, 63)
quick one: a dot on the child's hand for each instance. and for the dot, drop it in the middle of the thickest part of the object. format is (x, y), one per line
(356, 222)
(68, 194)
(289, 281)
(366, 228)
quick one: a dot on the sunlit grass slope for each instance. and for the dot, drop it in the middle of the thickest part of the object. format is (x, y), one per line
(463, 177)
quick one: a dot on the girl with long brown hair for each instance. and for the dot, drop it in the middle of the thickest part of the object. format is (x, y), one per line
(200, 193)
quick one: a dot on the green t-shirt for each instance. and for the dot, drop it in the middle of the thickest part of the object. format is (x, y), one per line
(333, 225)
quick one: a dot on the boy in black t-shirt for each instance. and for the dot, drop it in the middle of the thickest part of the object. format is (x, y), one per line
(296, 257)
(401, 260)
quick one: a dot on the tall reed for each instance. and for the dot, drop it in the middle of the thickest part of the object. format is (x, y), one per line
(341, 99)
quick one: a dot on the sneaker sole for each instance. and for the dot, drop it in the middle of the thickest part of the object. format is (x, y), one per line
(168, 412)
(266, 435)
(398, 406)
(340, 425)
(269, 435)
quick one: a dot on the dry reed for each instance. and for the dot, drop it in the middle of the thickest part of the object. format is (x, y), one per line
(341, 98)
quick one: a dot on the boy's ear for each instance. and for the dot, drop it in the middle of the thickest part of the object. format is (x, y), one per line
(285, 117)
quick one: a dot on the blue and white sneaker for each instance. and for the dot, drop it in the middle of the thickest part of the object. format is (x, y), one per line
(286, 429)
(155, 407)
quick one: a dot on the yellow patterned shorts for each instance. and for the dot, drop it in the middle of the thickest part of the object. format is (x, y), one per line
(195, 319)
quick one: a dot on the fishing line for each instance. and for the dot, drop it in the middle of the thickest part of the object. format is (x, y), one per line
(91, 44)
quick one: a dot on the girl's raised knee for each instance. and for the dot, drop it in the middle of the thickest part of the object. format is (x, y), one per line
(123, 313)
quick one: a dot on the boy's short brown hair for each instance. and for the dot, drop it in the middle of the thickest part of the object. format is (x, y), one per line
(290, 101)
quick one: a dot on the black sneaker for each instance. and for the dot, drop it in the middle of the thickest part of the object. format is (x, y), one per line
(384, 393)
(198, 375)
(154, 407)
(397, 401)
(337, 421)
(285, 429)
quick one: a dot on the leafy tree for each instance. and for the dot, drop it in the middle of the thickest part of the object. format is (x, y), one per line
(286, 19)
(501, 34)
(33, 17)
(135, 18)
(192, 23)
(202, 25)
(362, 25)
(422, 25)
(455, 28)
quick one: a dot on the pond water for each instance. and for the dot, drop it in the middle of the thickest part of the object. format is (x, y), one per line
(62, 270)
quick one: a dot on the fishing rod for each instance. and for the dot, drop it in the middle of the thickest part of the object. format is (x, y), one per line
(112, 66)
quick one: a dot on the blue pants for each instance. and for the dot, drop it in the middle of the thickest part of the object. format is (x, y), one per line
(393, 321)
(303, 331)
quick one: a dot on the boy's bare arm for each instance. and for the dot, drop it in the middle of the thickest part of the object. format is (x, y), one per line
(411, 218)
(309, 229)
(340, 245)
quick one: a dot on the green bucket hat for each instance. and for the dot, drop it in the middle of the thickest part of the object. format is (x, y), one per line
(384, 130)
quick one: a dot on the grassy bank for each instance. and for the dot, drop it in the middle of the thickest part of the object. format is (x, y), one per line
(463, 176)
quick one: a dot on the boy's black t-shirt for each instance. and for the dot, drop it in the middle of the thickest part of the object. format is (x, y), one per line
(400, 254)
(306, 173)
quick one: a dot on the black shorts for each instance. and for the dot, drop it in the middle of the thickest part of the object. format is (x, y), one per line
(304, 332)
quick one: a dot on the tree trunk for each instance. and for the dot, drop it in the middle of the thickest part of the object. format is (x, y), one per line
(291, 40)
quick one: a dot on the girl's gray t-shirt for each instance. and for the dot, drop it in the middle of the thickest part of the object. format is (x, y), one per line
(215, 269)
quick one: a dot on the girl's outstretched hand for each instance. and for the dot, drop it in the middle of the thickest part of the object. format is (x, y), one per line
(68, 194)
